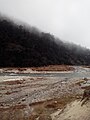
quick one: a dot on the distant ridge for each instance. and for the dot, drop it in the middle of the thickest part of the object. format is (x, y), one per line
(26, 47)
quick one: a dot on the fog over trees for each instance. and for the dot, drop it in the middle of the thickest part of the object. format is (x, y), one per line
(22, 46)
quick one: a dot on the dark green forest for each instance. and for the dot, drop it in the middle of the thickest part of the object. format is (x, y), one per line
(22, 46)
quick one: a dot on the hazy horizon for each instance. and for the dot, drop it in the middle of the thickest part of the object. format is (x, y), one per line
(68, 20)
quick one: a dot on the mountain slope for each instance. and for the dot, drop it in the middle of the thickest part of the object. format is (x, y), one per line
(25, 47)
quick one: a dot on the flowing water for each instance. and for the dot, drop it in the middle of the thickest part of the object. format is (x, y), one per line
(78, 72)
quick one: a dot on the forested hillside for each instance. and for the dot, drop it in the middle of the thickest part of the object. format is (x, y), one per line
(22, 46)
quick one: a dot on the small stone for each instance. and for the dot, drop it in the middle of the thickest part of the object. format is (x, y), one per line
(26, 95)
(23, 99)
(77, 97)
(12, 98)
(55, 101)
(19, 102)
(8, 105)
(85, 79)
(26, 112)
(2, 104)
(70, 89)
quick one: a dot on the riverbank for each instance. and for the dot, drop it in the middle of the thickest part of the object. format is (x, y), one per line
(36, 97)
(50, 68)
(39, 98)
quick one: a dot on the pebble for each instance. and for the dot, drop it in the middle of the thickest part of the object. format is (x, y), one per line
(23, 99)
(1, 104)
(19, 102)
(77, 97)
(55, 101)
(26, 95)
(70, 89)
(12, 98)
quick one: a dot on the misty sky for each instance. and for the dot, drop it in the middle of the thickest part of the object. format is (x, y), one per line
(67, 19)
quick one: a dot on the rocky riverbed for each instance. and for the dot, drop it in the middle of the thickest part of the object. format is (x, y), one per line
(39, 98)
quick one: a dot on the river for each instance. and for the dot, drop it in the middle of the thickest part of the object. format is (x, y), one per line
(78, 72)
